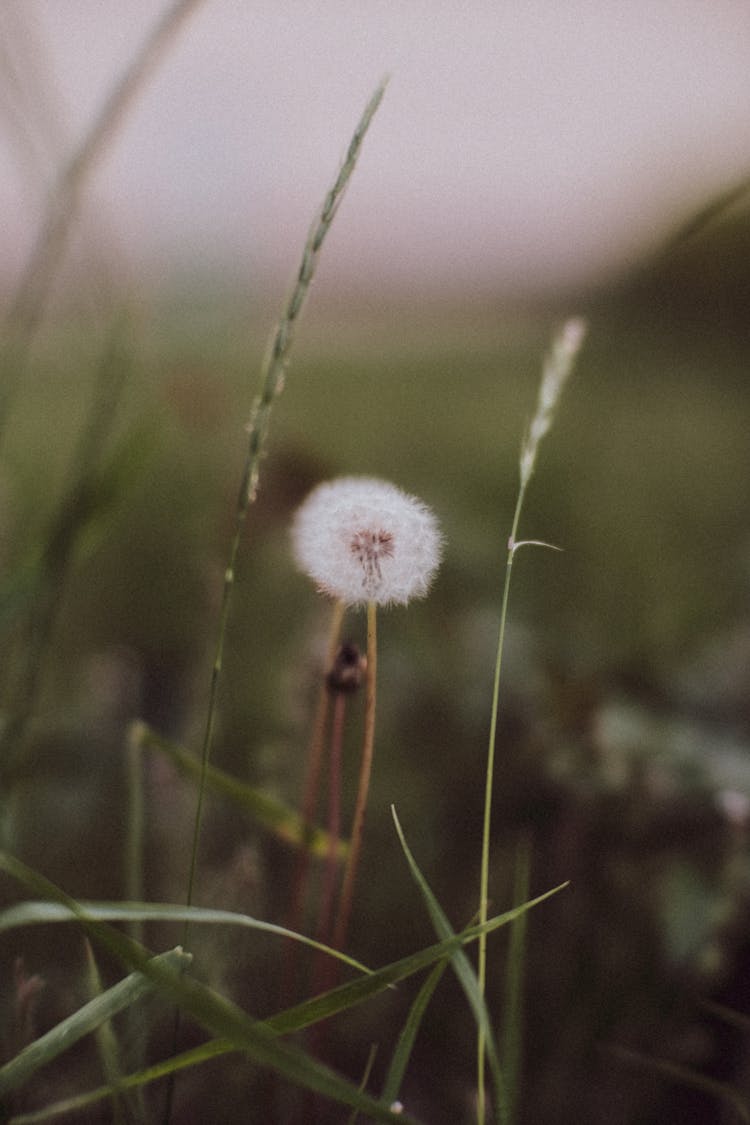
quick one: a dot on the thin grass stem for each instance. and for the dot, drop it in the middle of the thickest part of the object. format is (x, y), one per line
(328, 894)
(557, 368)
(135, 831)
(512, 1039)
(134, 848)
(324, 975)
(487, 816)
(272, 383)
(28, 303)
(76, 508)
(310, 801)
(106, 1042)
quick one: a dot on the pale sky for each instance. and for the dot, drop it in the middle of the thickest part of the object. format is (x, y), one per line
(520, 145)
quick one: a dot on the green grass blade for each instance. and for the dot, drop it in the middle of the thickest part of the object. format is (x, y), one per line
(406, 1039)
(272, 384)
(36, 913)
(107, 1045)
(286, 824)
(293, 1019)
(464, 971)
(714, 211)
(364, 1080)
(364, 988)
(301, 1016)
(209, 1009)
(81, 1023)
(258, 1039)
(210, 1050)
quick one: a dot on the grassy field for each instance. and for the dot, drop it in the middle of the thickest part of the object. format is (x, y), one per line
(623, 711)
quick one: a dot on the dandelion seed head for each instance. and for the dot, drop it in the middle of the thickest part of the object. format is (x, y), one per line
(361, 539)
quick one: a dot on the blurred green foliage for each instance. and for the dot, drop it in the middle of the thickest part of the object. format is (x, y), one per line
(624, 712)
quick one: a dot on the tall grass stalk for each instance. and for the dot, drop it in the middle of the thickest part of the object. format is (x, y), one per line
(78, 506)
(135, 829)
(557, 368)
(512, 1038)
(29, 301)
(272, 384)
(133, 880)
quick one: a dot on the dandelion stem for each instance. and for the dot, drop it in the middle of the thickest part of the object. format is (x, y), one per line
(365, 770)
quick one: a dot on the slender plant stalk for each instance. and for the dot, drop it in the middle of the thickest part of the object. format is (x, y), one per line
(323, 974)
(487, 818)
(134, 866)
(135, 830)
(310, 803)
(368, 746)
(514, 983)
(371, 1055)
(272, 383)
(557, 368)
(106, 1043)
(334, 817)
(32, 114)
(75, 509)
(28, 303)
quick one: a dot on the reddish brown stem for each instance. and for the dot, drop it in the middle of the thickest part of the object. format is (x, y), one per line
(301, 877)
(368, 745)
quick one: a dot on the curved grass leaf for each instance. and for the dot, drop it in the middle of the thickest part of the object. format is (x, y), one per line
(302, 1015)
(122, 1105)
(405, 1044)
(364, 1079)
(81, 1023)
(364, 988)
(714, 211)
(211, 1010)
(210, 1050)
(235, 1030)
(272, 814)
(463, 969)
(36, 913)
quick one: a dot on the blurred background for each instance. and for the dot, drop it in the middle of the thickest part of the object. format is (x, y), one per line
(526, 163)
